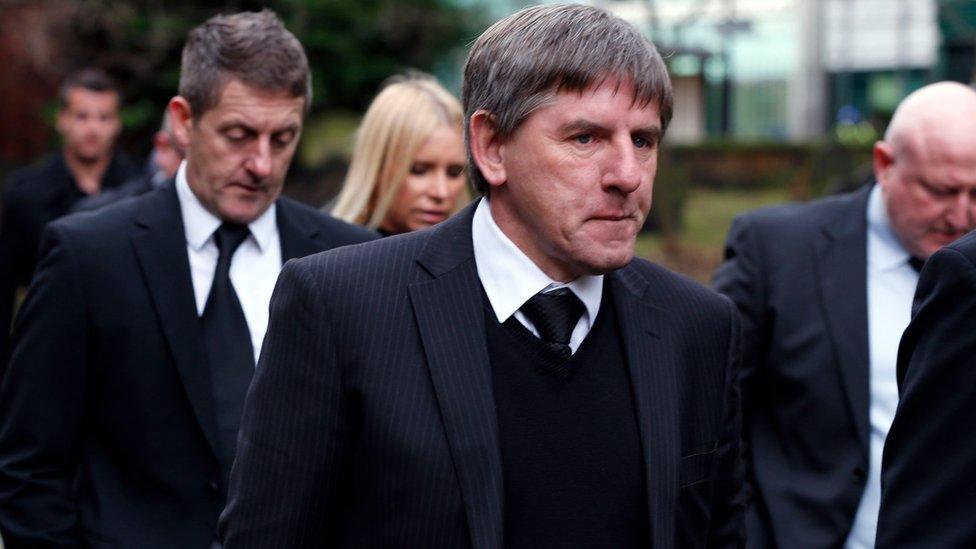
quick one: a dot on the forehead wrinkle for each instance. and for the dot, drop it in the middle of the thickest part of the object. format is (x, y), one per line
(257, 117)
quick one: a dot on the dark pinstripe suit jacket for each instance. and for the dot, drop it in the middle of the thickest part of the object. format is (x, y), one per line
(371, 420)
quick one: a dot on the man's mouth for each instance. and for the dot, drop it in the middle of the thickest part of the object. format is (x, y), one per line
(948, 236)
(248, 187)
(612, 217)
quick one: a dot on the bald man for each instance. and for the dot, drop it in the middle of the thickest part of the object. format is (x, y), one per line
(825, 291)
(929, 468)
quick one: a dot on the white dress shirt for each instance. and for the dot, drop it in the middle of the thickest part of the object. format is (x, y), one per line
(253, 269)
(510, 278)
(891, 287)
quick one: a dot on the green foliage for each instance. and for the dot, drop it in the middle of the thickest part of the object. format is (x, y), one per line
(696, 249)
(352, 45)
(326, 136)
(355, 45)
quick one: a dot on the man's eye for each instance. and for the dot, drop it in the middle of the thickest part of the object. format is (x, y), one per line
(641, 142)
(283, 139)
(937, 191)
(235, 134)
(584, 138)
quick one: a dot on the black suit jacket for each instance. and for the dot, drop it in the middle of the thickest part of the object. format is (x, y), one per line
(798, 274)
(107, 425)
(371, 419)
(136, 186)
(928, 479)
(32, 197)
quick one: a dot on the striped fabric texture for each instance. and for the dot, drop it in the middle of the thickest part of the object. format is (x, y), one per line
(371, 420)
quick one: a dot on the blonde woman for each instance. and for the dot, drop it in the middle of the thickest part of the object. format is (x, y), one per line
(408, 166)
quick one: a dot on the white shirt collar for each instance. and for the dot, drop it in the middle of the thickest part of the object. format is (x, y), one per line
(885, 251)
(200, 223)
(510, 278)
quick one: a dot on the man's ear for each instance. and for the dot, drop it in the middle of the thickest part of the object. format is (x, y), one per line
(487, 149)
(181, 121)
(882, 157)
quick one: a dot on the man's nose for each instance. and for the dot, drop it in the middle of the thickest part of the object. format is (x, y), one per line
(259, 162)
(622, 167)
(962, 211)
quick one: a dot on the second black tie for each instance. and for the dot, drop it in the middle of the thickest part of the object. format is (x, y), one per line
(227, 338)
(916, 263)
(555, 315)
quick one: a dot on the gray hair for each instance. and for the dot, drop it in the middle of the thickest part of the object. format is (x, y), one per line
(522, 61)
(252, 47)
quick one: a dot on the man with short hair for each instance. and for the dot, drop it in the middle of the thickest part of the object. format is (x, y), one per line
(512, 377)
(137, 340)
(88, 123)
(164, 160)
(825, 290)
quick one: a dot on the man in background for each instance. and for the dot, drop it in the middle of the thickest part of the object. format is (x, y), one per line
(825, 291)
(88, 123)
(164, 160)
(138, 337)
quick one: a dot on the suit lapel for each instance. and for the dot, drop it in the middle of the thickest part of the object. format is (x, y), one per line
(298, 235)
(841, 251)
(160, 246)
(651, 361)
(450, 316)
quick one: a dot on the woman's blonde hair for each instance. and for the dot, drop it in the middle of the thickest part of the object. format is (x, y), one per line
(398, 122)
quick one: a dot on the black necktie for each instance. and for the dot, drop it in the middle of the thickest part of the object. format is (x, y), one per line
(555, 315)
(916, 263)
(228, 345)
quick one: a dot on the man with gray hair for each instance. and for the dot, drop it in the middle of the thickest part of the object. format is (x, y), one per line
(137, 340)
(512, 377)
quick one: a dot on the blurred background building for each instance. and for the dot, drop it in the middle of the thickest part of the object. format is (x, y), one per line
(796, 69)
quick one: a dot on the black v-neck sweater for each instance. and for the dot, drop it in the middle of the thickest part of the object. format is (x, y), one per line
(571, 453)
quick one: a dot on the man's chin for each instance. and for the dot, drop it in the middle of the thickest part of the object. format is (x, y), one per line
(89, 157)
(607, 263)
(242, 213)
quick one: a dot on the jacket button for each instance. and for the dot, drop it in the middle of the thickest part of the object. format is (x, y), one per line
(212, 487)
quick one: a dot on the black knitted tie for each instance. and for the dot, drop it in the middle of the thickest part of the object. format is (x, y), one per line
(230, 354)
(554, 315)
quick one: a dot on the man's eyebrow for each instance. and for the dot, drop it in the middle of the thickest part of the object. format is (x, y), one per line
(234, 123)
(935, 185)
(237, 123)
(653, 131)
(289, 128)
(581, 125)
(584, 125)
